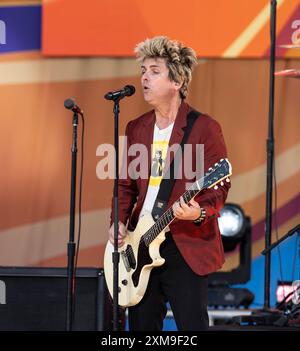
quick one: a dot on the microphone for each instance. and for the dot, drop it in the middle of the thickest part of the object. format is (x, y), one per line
(128, 90)
(70, 104)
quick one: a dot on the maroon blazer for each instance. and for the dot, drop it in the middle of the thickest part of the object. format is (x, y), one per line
(200, 245)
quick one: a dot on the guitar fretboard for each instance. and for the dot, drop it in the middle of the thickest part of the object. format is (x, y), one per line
(213, 176)
(168, 216)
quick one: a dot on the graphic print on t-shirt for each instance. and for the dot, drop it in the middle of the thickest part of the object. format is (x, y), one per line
(159, 153)
(157, 164)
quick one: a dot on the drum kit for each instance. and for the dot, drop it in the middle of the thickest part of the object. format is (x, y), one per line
(290, 73)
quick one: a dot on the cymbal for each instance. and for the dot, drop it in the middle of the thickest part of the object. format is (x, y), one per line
(290, 46)
(290, 73)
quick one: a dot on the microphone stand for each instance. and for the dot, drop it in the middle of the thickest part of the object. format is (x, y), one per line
(270, 160)
(116, 254)
(116, 96)
(71, 243)
(266, 316)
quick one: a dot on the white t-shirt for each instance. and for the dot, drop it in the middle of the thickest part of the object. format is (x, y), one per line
(160, 144)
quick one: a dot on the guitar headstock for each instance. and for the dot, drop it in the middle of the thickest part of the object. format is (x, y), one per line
(217, 174)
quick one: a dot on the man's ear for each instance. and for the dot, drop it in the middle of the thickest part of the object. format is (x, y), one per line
(178, 85)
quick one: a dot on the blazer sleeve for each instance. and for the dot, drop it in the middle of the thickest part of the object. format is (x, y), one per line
(214, 150)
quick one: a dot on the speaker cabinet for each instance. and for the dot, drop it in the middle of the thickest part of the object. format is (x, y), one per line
(34, 299)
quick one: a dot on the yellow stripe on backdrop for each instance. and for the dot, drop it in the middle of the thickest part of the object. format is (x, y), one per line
(286, 167)
(286, 191)
(64, 70)
(45, 240)
(250, 32)
(21, 56)
(20, 3)
(261, 41)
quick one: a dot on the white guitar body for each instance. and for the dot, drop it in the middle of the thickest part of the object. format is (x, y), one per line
(131, 293)
(140, 253)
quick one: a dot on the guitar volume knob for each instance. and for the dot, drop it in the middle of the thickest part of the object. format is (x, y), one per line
(124, 282)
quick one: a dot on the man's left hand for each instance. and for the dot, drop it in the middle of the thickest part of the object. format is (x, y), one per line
(189, 212)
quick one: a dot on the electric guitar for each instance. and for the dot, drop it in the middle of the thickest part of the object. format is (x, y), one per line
(140, 252)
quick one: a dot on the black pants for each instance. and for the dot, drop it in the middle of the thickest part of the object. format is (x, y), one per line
(176, 283)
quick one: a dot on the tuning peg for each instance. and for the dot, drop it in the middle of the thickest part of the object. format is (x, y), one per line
(216, 164)
(222, 183)
(222, 159)
(216, 187)
(210, 169)
(227, 180)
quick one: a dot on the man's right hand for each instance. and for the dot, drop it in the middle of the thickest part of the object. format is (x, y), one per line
(121, 235)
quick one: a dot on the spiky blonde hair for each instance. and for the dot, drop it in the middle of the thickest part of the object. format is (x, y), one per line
(180, 59)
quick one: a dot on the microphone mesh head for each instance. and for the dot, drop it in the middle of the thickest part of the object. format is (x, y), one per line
(69, 104)
(130, 90)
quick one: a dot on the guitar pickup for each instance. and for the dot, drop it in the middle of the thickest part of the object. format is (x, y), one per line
(128, 258)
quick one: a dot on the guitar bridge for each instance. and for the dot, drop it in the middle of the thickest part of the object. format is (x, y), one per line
(128, 258)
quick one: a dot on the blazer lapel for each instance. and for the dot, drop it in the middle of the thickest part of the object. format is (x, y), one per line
(178, 130)
(147, 139)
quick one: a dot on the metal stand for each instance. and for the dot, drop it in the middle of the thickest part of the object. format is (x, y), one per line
(71, 243)
(270, 160)
(266, 316)
(116, 254)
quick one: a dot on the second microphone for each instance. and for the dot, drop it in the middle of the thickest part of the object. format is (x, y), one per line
(128, 90)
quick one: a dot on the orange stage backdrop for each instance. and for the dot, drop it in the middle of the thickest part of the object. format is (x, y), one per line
(231, 28)
(35, 133)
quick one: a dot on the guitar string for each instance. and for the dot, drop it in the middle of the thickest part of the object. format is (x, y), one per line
(168, 216)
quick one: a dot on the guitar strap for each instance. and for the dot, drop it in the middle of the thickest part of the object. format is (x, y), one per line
(168, 181)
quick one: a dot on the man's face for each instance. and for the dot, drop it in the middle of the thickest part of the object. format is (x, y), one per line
(157, 86)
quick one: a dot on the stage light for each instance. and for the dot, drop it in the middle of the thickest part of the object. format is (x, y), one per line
(235, 228)
(233, 225)
(231, 220)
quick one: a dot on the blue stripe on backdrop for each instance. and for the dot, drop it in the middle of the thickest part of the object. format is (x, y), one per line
(20, 26)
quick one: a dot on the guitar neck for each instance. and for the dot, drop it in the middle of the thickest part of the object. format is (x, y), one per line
(168, 216)
(214, 175)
